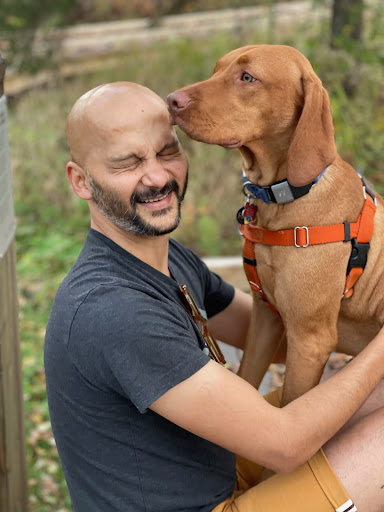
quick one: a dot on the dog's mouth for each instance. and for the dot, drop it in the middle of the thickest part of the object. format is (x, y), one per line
(229, 144)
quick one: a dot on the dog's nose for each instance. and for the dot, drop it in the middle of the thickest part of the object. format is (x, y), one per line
(177, 101)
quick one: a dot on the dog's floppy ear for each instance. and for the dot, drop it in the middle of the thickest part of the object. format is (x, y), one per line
(313, 146)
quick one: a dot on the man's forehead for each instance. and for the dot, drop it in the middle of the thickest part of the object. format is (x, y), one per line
(153, 134)
(134, 124)
(136, 134)
(124, 112)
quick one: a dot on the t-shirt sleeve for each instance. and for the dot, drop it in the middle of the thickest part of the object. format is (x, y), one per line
(134, 344)
(218, 293)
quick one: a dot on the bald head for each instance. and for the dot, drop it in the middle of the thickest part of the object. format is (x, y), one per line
(109, 109)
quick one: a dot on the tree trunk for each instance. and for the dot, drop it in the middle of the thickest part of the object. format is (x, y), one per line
(347, 23)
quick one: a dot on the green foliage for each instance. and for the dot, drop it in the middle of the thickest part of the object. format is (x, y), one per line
(19, 20)
(15, 14)
(52, 223)
(208, 231)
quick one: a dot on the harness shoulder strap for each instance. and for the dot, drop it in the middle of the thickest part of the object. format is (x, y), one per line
(250, 268)
(360, 244)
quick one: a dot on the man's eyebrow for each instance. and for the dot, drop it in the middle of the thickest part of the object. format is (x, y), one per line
(122, 158)
(170, 145)
(128, 156)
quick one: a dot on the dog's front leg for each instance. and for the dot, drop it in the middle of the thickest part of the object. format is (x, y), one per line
(265, 334)
(309, 347)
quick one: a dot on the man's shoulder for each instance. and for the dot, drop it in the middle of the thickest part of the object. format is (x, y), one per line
(111, 282)
(97, 289)
(98, 276)
(186, 259)
(100, 263)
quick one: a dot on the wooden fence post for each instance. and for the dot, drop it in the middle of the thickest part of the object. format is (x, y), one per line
(13, 478)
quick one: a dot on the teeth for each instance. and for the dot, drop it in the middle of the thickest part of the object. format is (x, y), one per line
(155, 200)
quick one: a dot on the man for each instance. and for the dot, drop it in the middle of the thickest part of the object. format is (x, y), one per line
(143, 418)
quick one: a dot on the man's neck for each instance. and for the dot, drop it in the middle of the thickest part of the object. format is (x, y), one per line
(152, 250)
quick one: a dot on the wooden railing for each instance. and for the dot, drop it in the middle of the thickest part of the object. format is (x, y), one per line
(13, 480)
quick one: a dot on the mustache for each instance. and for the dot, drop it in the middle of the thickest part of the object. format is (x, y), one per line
(152, 192)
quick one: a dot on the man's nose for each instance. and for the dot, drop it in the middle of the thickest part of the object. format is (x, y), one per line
(177, 101)
(155, 175)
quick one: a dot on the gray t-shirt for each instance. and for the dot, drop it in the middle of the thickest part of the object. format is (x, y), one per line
(118, 338)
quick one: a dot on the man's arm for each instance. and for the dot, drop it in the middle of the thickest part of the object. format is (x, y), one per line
(220, 406)
(231, 324)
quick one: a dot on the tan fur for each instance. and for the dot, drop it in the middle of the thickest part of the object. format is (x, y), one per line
(282, 126)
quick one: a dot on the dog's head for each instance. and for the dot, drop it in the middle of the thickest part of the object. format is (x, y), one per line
(265, 94)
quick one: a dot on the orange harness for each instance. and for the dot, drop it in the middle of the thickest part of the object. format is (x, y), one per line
(359, 233)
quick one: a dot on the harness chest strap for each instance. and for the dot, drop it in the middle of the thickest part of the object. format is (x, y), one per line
(303, 236)
(361, 230)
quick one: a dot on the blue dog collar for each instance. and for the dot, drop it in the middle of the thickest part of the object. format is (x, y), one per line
(280, 192)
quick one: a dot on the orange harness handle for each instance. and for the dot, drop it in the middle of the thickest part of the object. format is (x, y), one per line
(303, 236)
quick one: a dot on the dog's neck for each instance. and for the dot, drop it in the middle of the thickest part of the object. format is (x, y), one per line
(265, 161)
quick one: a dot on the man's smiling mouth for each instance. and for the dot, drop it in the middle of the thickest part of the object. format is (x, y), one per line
(154, 200)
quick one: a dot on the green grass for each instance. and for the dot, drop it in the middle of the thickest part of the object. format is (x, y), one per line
(52, 223)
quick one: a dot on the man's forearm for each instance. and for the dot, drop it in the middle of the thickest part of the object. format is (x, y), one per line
(320, 413)
(223, 408)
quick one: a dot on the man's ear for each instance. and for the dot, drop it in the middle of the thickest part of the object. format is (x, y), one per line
(78, 179)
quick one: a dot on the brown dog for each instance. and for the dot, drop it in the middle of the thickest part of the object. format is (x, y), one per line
(268, 102)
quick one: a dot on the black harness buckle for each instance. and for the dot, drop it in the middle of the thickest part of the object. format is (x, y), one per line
(359, 255)
(240, 215)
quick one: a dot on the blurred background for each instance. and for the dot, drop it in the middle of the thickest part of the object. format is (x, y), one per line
(58, 50)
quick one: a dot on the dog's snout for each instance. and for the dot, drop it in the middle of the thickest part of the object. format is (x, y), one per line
(177, 101)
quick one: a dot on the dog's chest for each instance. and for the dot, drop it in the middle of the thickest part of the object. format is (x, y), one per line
(291, 274)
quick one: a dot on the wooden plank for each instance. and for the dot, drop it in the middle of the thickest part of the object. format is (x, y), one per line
(13, 479)
(3, 469)
(15, 452)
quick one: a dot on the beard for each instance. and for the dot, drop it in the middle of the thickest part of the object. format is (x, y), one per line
(124, 213)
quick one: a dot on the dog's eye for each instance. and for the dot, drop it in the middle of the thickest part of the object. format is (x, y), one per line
(246, 77)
